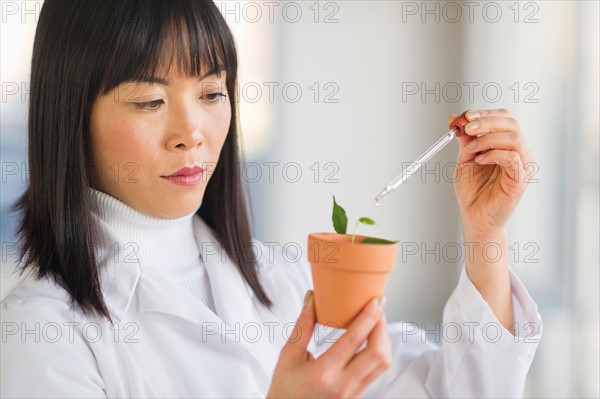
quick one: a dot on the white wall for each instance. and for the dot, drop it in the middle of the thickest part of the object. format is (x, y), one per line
(368, 134)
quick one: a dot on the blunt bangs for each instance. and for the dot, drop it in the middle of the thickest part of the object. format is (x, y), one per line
(152, 37)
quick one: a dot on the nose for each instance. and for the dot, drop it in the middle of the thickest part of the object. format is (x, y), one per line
(185, 129)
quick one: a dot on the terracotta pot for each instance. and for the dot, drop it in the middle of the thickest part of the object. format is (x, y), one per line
(346, 275)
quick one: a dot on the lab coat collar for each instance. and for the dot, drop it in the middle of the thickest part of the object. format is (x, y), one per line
(235, 301)
(232, 297)
(123, 277)
(149, 286)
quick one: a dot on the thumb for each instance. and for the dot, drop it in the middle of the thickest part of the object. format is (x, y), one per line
(304, 327)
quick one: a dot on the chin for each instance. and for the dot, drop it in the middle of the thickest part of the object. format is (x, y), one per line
(172, 205)
(174, 213)
(183, 208)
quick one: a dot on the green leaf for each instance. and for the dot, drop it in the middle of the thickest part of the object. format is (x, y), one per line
(339, 218)
(366, 221)
(372, 240)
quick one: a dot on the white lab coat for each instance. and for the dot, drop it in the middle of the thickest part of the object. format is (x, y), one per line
(166, 343)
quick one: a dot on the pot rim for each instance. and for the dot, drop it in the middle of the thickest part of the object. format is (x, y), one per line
(351, 252)
(324, 236)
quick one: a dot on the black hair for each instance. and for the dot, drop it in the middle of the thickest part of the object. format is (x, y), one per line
(82, 50)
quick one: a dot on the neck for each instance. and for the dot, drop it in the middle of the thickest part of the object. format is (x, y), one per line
(155, 242)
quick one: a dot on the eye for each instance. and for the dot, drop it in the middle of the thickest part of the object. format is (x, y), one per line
(150, 105)
(213, 97)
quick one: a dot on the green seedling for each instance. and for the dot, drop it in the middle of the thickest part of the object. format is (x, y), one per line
(340, 224)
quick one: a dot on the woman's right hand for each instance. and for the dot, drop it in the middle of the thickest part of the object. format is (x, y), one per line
(340, 371)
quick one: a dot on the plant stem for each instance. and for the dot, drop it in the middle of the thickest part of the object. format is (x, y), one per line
(354, 232)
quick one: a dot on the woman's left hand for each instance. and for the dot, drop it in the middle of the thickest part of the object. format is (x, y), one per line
(494, 167)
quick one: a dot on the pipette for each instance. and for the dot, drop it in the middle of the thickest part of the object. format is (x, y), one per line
(457, 129)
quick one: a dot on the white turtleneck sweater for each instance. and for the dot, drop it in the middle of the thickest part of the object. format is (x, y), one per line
(167, 243)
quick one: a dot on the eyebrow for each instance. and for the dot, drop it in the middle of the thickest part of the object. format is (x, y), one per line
(154, 79)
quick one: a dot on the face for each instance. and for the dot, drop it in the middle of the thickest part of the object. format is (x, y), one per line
(156, 144)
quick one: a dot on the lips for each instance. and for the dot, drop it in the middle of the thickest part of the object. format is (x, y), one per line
(187, 171)
(186, 176)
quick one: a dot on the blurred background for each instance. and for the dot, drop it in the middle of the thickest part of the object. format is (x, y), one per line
(338, 96)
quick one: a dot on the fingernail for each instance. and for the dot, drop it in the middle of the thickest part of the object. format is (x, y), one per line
(472, 126)
(472, 115)
(471, 145)
(307, 297)
(382, 301)
(479, 158)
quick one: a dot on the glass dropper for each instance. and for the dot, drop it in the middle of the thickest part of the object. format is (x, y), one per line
(456, 129)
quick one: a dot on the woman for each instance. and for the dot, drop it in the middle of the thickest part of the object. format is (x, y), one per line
(135, 237)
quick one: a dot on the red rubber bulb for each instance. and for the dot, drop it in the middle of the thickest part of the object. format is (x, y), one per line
(459, 123)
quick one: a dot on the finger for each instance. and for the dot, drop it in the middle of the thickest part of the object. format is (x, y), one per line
(510, 141)
(510, 161)
(302, 331)
(491, 124)
(342, 351)
(452, 117)
(476, 114)
(375, 356)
